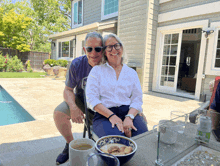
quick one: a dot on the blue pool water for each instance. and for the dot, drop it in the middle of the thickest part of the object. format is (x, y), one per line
(11, 111)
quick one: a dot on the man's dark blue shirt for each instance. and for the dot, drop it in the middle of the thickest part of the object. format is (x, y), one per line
(79, 69)
(216, 101)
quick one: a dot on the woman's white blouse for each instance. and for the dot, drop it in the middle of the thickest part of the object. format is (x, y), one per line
(103, 87)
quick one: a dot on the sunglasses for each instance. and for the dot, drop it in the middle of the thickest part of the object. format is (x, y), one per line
(97, 49)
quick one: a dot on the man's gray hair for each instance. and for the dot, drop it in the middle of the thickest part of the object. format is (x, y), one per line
(124, 55)
(94, 35)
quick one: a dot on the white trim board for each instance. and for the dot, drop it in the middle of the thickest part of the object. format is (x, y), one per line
(163, 1)
(181, 26)
(190, 12)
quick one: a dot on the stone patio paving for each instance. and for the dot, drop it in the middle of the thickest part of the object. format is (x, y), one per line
(37, 143)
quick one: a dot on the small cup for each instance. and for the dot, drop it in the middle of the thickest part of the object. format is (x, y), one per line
(103, 159)
(180, 118)
(80, 150)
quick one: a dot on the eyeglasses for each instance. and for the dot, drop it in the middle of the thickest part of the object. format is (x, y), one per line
(97, 49)
(109, 48)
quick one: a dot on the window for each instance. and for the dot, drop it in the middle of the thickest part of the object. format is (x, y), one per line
(67, 49)
(217, 55)
(109, 9)
(77, 13)
(213, 53)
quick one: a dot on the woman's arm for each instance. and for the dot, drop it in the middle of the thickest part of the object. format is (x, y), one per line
(136, 95)
(135, 106)
(115, 120)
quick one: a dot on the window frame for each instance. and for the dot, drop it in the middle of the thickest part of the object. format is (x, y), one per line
(103, 17)
(211, 52)
(72, 14)
(65, 40)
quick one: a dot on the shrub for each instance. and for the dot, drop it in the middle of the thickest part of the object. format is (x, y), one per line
(29, 69)
(14, 64)
(51, 62)
(62, 63)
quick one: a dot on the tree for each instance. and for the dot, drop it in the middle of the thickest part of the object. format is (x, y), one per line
(48, 17)
(55, 15)
(12, 30)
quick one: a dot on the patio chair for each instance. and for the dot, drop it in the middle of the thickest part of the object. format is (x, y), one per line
(205, 107)
(87, 124)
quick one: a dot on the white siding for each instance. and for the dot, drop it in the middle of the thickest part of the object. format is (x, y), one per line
(180, 4)
(184, 4)
(135, 28)
(150, 45)
(91, 11)
(132, 29)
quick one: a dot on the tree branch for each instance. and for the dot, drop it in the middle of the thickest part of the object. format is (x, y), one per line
(63, 13)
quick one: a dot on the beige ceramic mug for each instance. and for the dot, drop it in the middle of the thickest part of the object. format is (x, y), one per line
(80, 150)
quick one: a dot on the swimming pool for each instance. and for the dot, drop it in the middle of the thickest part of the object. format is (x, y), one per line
(11, 111)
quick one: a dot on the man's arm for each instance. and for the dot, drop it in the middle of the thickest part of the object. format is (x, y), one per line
(75, 113)
(215, 108)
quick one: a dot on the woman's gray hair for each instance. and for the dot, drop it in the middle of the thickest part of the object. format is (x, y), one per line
(124, 55)
(94, 35)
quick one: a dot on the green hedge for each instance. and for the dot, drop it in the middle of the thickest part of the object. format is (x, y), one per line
(53, 62)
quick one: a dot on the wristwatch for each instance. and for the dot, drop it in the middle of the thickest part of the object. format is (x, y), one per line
(130, 116)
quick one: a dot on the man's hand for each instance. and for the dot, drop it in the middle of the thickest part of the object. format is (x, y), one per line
(77, 115)
(128, 126)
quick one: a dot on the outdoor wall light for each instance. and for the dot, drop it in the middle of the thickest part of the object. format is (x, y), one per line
(207, 32)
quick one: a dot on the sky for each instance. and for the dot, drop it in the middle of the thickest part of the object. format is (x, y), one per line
(13, 1)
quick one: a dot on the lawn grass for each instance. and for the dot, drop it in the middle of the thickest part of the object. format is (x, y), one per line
(22, 74)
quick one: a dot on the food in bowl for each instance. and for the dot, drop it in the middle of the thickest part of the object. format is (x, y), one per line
(104, 143)
(116, 149)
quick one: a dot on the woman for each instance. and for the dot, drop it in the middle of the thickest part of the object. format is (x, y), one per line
(113, 91)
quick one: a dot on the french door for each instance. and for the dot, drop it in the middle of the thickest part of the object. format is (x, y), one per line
(169, 64)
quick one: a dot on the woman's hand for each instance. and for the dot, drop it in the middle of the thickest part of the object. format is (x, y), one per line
(128, 126)
(115, 120)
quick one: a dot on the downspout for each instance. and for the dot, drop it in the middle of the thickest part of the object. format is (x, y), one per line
(75, 46)
(71, 15)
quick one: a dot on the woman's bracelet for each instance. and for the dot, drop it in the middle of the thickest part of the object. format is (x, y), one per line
(111, 115)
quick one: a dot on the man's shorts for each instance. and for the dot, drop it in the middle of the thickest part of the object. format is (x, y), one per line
(63, 107)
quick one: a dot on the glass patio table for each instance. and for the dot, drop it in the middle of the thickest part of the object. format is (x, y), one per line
(169, 154)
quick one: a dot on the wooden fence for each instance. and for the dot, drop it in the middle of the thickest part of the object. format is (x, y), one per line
(36, 58)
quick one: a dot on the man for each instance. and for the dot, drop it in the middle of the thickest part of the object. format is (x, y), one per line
(214, 113)
(73, 105)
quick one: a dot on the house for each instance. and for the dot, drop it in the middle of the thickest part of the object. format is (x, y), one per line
(174, 45)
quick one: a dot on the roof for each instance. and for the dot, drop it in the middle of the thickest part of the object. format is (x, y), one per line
(83, 29)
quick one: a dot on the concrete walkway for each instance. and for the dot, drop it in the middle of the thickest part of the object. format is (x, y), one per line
(39, 142)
